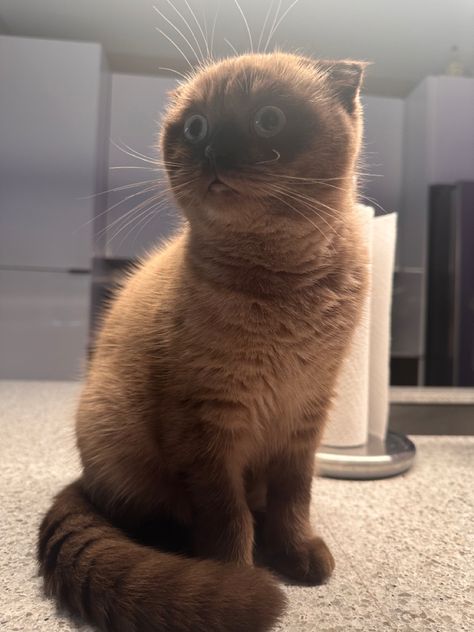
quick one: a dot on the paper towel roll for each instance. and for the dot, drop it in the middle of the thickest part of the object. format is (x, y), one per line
(383, 259)
(347, 425)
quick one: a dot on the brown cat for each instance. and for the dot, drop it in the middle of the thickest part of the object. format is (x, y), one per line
(216, 364)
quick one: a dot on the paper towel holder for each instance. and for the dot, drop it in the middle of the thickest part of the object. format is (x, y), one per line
(376, 459)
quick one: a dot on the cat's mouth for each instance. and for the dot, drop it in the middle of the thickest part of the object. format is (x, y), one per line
(218, 186)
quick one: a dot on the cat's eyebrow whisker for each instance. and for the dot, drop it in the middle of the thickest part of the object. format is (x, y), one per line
(176, 46)
(213, 31)
(176, 72)
(206, 31)
(275, 28)
(189, 26)
(270, 9)
(275, 17)
(246, 24)
(173, 26)
(198, 25)
(178, 12)
(232, 46)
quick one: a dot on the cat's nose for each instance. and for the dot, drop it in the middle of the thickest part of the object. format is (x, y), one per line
(224, 148)
(219, 156)
(210, 155)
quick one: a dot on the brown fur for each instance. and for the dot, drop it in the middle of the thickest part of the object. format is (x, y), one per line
(216, 364)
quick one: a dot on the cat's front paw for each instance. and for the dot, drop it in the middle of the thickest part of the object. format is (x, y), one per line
(310, 562)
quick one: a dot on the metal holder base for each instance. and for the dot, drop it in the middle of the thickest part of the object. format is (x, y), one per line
(375, 459)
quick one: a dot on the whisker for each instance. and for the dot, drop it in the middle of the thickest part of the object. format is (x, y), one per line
(178, 31)
(132, 219)
(133, 167)
(308, 203)
(133, 153)
(178, 12)
(155, 200)
(232, 46)
(270, 8)
(267, 162)
(372, 201)
(275, 18)
(299, 212)
(206, 30)
(125, 199)
(144, 221)
(213, 31)
(162, 195)
(198, 25)
(173, 70)
(129, 213)
(246, 24)
(158, 206)
(176, 46)
(274, 30)
(123, 187)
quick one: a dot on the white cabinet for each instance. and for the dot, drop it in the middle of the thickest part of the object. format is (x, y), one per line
(53, 130)
(54, 120)
(44, 319)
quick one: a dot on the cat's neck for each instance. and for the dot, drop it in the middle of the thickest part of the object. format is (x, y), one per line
(273, 263)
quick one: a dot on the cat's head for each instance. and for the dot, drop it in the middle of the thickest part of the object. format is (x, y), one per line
(242, 136)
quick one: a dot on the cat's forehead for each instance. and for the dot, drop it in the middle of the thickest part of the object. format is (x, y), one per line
(250, 78)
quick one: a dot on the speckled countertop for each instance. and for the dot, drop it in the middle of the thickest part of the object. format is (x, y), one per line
(404, 547)
(432, 395)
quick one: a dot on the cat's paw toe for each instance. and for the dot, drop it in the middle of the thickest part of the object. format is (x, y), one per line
(310, 562)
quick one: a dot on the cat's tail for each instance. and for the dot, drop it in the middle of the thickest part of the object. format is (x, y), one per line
(95, 571)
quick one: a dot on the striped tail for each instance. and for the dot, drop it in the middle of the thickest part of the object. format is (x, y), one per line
(94, 571)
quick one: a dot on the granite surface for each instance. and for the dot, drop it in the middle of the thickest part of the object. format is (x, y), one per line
(404, 547)
(449, 395)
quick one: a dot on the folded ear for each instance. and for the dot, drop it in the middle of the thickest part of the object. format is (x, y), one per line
(345, 77)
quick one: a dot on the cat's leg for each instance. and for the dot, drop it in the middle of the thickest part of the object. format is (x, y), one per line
(222, 523)
(290, 545)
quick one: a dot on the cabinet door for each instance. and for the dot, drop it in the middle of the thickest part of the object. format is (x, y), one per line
(44, 319)
(51, 111)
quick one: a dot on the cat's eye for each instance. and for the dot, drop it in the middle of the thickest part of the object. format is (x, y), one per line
(195, 128)
(269, 121)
